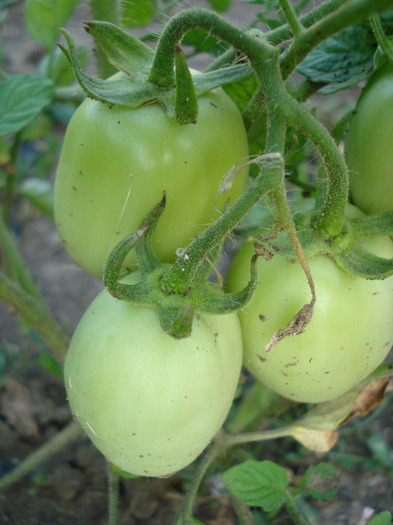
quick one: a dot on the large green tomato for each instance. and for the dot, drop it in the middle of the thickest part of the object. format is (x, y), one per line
(151, 403)
(349, 335)
(115, 164)
(369, 145)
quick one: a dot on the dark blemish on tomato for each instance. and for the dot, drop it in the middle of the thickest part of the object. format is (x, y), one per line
(263, 359)
(141, 455)
(118, 121)
(311, 358)
(284, 373)
(291, 364)
(81, 173)
(82, 144)
(262, 317)
(73, 187)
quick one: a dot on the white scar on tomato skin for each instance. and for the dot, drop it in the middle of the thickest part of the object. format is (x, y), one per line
(113, 242)
(90, 427)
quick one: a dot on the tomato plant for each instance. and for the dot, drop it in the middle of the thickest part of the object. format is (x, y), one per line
(149, 402)
(349, 335)
(115, 163)
(368, 145)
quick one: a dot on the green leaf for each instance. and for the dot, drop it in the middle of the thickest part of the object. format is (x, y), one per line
(258, 483)
(44, 17)
(342, 61)
(137, 13)
(382, 518)
(321, 481)
(122, 473)
(22, 98)
(220, 5)
(51, 364)
(40, 193)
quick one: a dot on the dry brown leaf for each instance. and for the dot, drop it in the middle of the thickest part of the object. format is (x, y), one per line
(371, 396)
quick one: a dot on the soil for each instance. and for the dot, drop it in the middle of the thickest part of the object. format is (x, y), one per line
(70, 488)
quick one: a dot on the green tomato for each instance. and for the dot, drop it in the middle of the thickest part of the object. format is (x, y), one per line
(115, 164)
(349, 335)
(151, 403)
(369, 145)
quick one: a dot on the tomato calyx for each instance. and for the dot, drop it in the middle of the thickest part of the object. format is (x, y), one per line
(344, 249)
(175, 310)
(131, 87)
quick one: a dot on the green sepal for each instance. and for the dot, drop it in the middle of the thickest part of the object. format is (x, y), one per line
(114, 265)
(186, 105)
(344, 249)
(133, 89)
(145, 254)
(217, 303)
(177, 323)
(124, 51)
(361, 263)
(373, 225)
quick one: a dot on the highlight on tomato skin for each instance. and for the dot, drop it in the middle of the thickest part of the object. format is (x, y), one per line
(149, 402)
(116, 162)
(368, 145)
(349, 335)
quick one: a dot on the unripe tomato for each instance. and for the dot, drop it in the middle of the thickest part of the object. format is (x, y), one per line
(349, 335)
(369, 145)
(115, 164)
(151, 403)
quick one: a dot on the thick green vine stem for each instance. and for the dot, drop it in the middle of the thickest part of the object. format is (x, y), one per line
(264, 59)
(383, 40)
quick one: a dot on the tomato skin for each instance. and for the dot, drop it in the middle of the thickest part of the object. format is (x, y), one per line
(349, 335)
(151, 403)
(369, 145)
(115, 164)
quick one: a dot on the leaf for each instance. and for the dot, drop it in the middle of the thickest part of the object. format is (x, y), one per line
(258, 483)
(382, 518)
(44, 17)
(137, 13)
(316, 440)
(370, 397)
(40, 193)
(321, 481)
(51, 364)
(220, 5)
(122, 473)
(341, 61)
(22, 98)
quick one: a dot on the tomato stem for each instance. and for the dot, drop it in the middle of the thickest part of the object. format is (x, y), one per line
(291, 17)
